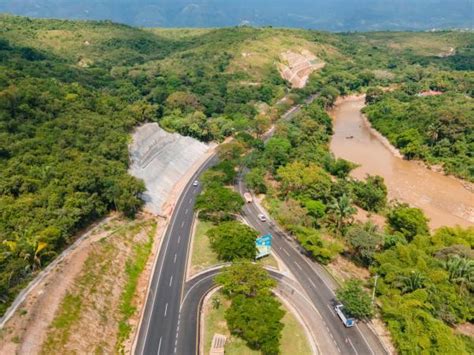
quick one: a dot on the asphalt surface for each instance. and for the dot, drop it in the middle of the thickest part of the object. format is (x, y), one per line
(318, 285)
(197, 288)
(159, 329)
(162, 330)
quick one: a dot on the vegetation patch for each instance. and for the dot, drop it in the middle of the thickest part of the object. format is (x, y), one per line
(101, 298)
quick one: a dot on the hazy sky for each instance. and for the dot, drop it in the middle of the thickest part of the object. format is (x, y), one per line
(322, 14)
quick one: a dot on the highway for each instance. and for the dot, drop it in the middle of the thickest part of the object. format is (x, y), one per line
(162, 330)
(316, 282)
(197, 288)
(159, 330)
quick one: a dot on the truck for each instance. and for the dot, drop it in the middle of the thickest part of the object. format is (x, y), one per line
(248, 197)
(347, 321)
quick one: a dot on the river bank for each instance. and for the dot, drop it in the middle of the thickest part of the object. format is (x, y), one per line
(444, 199)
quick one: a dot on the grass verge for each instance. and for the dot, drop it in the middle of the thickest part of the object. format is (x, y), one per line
(293, 336)
(202, 254)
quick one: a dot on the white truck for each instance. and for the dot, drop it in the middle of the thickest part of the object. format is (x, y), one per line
(348, 321)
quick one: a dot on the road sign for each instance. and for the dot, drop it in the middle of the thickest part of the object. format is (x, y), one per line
(264, 245)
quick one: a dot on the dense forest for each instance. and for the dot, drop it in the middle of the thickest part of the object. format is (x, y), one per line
(71, 93)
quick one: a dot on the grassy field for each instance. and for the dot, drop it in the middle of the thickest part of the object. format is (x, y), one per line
(293, 338)
(202, 255)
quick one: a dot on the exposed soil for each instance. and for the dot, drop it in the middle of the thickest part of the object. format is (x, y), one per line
(296, 67)
(25, 331)
(94, 273)
(364, 216)
(343, 269)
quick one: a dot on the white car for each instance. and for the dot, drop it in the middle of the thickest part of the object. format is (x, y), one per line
(262, 217)
(195, 183)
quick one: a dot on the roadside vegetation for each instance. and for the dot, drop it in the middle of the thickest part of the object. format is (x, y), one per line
(293, 338)
(71, 92)
(103, 296)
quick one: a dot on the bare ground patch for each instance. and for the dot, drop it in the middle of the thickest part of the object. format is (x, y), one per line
(82, 305)
(295, 67)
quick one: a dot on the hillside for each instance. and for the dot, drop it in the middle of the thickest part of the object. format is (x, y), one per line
(336, 15)
(72, 91)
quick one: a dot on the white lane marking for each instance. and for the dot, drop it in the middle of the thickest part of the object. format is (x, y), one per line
(166, 308)
(187, 210)
(298, 265)
(353, 347)
(197, 283)
(191, 200)
(365, 340)
(175, 349)
(312, 283)
(179, 238)
(284, 250)
(171, 281)
(182, 224)
(159, 347)
(174, 260)
(159, 263)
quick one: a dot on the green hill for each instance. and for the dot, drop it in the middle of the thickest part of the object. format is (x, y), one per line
(71, 92)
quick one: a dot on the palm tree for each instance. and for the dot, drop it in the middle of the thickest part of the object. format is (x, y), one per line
(342, 210)
(461, 271)
(414, 281)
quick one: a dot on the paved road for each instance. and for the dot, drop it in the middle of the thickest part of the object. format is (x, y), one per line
(159, 329)
(200, 285)
(317, 283)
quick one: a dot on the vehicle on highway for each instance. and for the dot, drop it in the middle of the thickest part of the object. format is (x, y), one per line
(262, 217)
(248, 197)
(195, 183)
(346, 320)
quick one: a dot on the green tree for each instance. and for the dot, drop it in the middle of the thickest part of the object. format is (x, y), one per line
(316, 209)
(245, 278)
(254, 179)
(233, 240)
(319, 249)
(365, 241)
(371, 195)
(461, 271)
(356, 301)
(408, 221)
(342, 211)
(277, 151)
(218, 203)
(257, 320)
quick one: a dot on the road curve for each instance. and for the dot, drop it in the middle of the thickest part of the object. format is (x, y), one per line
(200, 285)
(159, 330)
(317, 283)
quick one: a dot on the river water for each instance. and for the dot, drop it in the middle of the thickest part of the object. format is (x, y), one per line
(444, 199)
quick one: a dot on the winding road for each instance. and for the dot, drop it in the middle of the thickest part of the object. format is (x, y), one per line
(171, 316)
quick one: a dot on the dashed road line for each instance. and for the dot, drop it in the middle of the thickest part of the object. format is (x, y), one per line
(298, 265)
(166, 308)
(171, 280)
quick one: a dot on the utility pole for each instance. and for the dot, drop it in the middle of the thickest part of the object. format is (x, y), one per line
(375, 285)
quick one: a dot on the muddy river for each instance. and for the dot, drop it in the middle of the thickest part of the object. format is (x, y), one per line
(444, 199)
